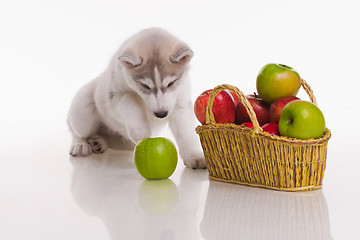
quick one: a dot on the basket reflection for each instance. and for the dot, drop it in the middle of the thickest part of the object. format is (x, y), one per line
(239, 212)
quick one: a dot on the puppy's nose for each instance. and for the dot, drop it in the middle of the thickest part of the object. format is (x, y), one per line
(161, 114)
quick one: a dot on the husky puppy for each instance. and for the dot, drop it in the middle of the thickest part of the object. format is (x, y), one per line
(145, 86)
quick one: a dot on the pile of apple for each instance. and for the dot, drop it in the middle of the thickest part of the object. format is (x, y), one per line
(278, 110)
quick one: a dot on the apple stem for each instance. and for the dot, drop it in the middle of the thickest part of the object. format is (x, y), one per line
(285, 66)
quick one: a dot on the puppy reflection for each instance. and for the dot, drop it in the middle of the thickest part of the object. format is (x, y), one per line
(239, 212)
(108, 186)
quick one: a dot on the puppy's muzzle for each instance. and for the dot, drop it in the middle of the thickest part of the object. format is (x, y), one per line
(161, 114)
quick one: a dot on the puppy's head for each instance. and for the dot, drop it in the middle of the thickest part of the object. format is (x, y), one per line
(155, 63)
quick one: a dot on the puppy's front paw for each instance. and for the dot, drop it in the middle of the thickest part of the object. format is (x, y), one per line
(98, 144)
(195, 162)
(80, 150)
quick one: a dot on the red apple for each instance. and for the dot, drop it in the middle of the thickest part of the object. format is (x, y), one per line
(223, 107)
(247, 124)
(272, 128)
(261, 109)
(277, 106)
(235, 97)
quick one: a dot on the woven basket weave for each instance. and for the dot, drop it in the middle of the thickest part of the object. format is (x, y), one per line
(253, 157)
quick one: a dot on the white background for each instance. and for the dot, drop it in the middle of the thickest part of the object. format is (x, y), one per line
(49, 49)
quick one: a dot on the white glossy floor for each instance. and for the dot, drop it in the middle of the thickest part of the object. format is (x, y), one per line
(45, 194)
(48, 50)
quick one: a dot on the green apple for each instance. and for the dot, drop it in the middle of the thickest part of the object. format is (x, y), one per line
(301, 119)
(276, 81)
(155, 158)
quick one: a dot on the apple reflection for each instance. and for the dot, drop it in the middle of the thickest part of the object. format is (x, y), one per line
(240, 212)
(158, 197)
(109, 187)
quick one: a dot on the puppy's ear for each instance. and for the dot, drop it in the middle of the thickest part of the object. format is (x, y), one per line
(128, 60)
(181, 55)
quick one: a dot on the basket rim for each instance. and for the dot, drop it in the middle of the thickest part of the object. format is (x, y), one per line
(263, 134)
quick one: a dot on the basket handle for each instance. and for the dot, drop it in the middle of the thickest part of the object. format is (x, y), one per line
(249, 109)
(210, 115)
(308, 90)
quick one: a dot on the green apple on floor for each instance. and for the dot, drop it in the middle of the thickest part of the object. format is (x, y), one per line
(155, 158)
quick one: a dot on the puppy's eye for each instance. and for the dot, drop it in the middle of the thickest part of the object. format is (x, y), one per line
(145, 86)
(171, 83)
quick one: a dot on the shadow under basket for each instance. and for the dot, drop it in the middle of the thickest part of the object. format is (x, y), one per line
(253, 157)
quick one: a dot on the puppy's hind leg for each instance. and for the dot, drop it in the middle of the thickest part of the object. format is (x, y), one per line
(83, 121)
(80, 147)
(85, 146)
(98, 144)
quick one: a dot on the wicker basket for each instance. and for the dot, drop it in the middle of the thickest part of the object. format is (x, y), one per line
(253, 157)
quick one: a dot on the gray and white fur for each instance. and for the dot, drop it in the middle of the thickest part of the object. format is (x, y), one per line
(145, 86)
